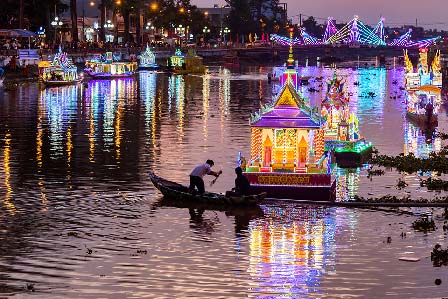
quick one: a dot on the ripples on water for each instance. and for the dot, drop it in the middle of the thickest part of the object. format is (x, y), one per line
(79, 218)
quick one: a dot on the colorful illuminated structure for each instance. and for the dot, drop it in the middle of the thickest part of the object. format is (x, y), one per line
(423, 105)
(147, 59)
(104, 66)
(189, 64)
(341, 129)
(288, 158)
(61, 71)
(423, 74)
(355, 33)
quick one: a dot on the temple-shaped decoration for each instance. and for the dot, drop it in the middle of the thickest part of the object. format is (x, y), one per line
(188, 64)
(341, 129)
(61, 71)
(287, 150)
(423, 74)
(147, 59)
(424, 86)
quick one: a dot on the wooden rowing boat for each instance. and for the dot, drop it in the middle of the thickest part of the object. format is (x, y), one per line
(180, 192)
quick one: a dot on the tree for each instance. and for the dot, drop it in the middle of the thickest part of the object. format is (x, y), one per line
(74, 19)
(240, 18)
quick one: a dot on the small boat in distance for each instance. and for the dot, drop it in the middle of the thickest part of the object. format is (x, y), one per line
(61, 71)
(147, 60)
(179, 192)
(104, 67)
(423, 105)
(231, 60)
(188, 64)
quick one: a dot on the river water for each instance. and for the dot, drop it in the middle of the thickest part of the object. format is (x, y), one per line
(80, 219)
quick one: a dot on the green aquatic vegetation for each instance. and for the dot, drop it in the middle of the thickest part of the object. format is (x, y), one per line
(437, 162)
(442, 135)
(439, 256)
(424, 224)
(395, 199)
(435, 184)
(375, 172)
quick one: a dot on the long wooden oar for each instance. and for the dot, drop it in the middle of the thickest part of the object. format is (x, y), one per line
(214, 180)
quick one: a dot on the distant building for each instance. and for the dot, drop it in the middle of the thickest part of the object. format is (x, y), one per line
(216, 14)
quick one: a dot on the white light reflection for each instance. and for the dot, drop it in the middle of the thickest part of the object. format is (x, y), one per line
(205, 105)
(60, 106)
(291, 249)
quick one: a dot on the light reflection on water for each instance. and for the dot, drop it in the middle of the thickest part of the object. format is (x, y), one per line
(74, 176)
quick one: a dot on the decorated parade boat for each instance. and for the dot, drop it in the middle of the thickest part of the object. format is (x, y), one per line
(188, 64)
(147, 60)
(423, 74)
(61, 71)
(287, 158)
(423, 105)
(341, 129)
(105, 67)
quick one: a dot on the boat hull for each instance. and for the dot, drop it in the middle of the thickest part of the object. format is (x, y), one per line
(294, 186)
(60, 83)
(179, 192)
(148, 68)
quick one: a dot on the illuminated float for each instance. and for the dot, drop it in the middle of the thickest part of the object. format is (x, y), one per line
(341, 130)
(61, 71)
(104, 67)
(423, 75)
(188, 64)
(423, 105)
(287, 157)
(148, 60)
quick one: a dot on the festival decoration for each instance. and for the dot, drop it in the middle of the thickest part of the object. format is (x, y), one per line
(148, 59)
(61, 71)
(341, 132)
(107, 66)
(355, 33)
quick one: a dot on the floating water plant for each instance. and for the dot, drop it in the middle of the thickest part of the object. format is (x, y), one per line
(439, 256)
(424, 224)
(435, 184)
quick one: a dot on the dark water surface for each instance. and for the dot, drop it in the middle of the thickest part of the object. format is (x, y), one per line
(80, 219)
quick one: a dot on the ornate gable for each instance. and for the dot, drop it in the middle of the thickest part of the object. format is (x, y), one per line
(289, 97)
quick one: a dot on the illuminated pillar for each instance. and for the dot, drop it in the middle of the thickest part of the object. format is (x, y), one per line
(319, 143)
(256, 143)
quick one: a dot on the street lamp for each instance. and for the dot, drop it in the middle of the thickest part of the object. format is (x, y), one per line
(226, 31)
(205, 31)
(109, 26)
(56, 23)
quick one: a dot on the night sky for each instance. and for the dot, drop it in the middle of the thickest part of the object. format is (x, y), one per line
(430, 13)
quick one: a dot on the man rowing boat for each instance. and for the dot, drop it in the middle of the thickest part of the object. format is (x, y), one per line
(196, 176)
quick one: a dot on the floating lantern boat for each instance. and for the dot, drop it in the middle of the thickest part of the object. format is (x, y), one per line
(61, 71)
(423, 105)
(148, 60)
(341, 130)
(104, 67)
(423, 75)
(188, 64)
(287, 158)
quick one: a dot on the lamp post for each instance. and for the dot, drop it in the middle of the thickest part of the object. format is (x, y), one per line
(226, 31)
(205, 31)
(56, 23)
(91, 3)
(109, 27)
